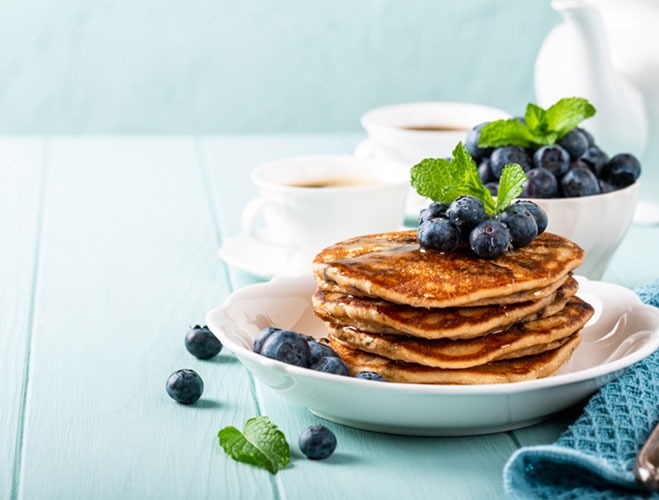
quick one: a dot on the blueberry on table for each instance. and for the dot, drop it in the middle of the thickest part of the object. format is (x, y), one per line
(435, 209)
(367, 375)
(331, 364)
(438, 234)
(580, 182)
(540, 216)
(490, 239)
(621, 170)
(521, 224)
(509, 154)
(317, 442)
(575, 142)
(554, 158)
(287, 346)
(185, 386)
(540, 183)
(465, 212)
(262, 336)
(201, 343)
(318, 350)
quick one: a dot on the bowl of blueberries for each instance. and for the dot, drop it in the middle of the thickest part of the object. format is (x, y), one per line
(588, 195)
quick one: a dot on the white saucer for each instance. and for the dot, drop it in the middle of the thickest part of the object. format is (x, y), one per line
(260, 258)
(414, 203)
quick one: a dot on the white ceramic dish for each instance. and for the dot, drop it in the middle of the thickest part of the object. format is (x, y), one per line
(622, 331)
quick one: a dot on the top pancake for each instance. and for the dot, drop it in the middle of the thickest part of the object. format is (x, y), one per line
(392, 266)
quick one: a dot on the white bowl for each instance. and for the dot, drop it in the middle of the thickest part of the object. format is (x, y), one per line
(622, 331)
(597, 223)
(386, 128)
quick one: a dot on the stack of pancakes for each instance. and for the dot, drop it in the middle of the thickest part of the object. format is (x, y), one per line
(420, 316)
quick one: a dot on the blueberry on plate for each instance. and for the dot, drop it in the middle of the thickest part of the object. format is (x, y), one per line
(540, 183)
(185, 386)
(465, 212)
(368, 375)
(331, 364)
(554, 158)
(201, 343)
(288, 347)
(509, 154)
(580, 182)
(435, 209)
(318, 350)
(317, 442)
(621, 170)
(540, 216)
(489, 239)
(261, 338)
(438, 234)
(521, 224)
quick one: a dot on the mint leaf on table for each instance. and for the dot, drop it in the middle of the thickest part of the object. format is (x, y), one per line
(540, 128)
(261, 444)
(511, 185)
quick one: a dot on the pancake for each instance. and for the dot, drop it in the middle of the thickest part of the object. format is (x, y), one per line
(393, 267)
(519, 340)
(379, 316)
(514, 370)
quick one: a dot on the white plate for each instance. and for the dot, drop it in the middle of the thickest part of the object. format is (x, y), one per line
(622, 331)
(414, 203)
(262, 259)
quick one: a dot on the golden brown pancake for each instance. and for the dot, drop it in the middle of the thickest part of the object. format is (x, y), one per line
(519, 340)
(380, 316)
(513, 370)
(393, 267)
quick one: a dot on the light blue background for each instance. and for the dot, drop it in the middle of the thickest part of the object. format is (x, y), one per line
(204, 66)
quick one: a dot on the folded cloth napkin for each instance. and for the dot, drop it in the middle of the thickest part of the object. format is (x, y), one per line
(594, 457)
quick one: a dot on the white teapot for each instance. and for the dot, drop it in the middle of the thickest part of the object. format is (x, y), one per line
(608, 52)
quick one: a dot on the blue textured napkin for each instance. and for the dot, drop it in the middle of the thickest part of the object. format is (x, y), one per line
(594, 458)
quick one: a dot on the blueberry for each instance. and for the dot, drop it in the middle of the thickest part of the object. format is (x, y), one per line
(575, 143)
(201, 343)
(288, 347)
(606, 187)
(595, 158)
(185, 386)
(490, 239)
(521, 224)
(438, 234)
(579, 182)
(318, 350)
(465, 212)
(540, 183)
(262, 336)
(317, 442)
(541, 219)
(485, 171)
(493, 187)
(554, 158)
(471, 142)
(509, 154)
(435, 209)
(589, 137)
(331, 364)
(622, 170)
(366, 375)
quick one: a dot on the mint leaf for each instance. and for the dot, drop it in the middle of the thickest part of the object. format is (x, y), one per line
(535, 118)
(430, 176)
(511, 185)
(261, 444)
(567, 114)
(509, 132)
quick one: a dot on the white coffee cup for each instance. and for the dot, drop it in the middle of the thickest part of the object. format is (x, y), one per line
(410, 132)
(309, 202)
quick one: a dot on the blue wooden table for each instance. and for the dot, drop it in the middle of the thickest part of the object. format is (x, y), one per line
(108, 254)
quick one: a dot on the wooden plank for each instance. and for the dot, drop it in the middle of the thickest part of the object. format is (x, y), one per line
(128, 262)
(21, 186)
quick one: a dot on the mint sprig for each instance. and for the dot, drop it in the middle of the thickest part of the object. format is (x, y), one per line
(541, 128)
(444, 180)
(261, 444)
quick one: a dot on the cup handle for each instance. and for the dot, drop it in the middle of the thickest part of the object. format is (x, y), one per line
(251, 215)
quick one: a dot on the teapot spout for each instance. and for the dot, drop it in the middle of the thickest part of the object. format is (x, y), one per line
(575, 61)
